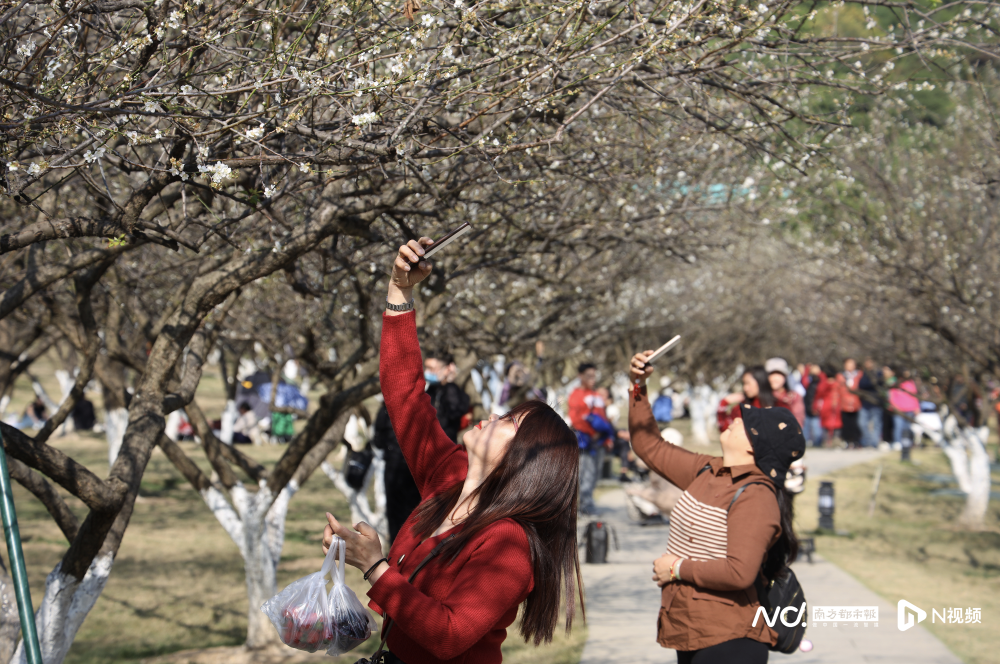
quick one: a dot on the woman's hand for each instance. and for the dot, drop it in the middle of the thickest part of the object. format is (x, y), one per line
(410, 269)
(661, 569)
(362, 547)
(636, 371)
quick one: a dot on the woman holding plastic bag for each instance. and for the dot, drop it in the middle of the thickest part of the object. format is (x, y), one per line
(308, 618)
(496, 528)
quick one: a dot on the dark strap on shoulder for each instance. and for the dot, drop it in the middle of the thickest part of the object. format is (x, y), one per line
(436, 550)
(430, 556)
(707, 466)
(741, 489)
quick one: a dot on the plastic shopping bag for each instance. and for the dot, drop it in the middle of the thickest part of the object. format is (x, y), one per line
(301, 612)
(353, 623)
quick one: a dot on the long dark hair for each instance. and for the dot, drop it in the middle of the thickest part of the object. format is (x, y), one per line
(535, 484)
(766, 395)
(786, 549)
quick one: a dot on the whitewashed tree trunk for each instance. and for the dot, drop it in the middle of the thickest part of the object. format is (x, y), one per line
(64, 607)
(256, 525)
(173, 427)
(978, 497)
(115, 423)
(229, 417)
(10, 621)
(701, 408)
(970, 463)
(954, 449)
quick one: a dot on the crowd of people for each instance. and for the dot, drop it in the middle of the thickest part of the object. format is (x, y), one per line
(858, 407)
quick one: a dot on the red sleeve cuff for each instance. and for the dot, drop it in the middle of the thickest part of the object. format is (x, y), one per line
(382, 591)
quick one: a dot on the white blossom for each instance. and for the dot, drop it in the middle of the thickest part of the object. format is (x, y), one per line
(13, 166)
(256, 132)
(26, 48)
(219, 172)
(364, 119)
(95, 155)
(269, 190)
(34, 169)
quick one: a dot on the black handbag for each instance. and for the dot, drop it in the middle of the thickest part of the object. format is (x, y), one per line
(383, 656)
(784, 590)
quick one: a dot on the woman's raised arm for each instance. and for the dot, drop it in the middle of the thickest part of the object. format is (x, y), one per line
(434, 460)
(672, 462)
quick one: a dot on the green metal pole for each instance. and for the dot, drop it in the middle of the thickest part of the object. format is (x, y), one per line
(21, 589)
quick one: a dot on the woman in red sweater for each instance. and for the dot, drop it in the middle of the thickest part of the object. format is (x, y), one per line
(503, 503)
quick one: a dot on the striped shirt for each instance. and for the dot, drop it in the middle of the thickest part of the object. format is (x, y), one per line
(697, 531)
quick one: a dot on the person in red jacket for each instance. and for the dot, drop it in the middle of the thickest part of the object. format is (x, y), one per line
(583, 402)
(827, 404)
(503, 504)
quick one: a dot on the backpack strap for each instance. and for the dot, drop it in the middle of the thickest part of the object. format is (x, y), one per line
(742, 488)
(707, 466)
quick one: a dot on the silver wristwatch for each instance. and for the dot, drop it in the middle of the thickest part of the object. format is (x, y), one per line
(398, 307)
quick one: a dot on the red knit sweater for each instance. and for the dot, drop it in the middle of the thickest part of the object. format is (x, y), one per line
(455, 611)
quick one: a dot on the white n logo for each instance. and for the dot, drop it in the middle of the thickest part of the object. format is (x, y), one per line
(904, 615)
(770, 621)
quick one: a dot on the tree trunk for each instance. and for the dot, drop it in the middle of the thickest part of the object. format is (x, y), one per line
(64, 607)
(10, 621)
(229, 417)
(970, 463)
(701, 413)
(261, 578)
(257, 527)
(978, 497)
(955, 449)
(115, 423)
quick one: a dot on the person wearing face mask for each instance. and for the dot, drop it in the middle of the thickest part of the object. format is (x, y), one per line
(496, 528)
(449, 400)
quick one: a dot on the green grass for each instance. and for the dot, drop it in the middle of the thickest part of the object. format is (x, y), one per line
(912, 547)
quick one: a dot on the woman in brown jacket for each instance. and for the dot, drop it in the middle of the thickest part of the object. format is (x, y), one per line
(718, 544)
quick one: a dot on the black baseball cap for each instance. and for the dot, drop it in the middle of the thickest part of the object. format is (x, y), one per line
(776, 438)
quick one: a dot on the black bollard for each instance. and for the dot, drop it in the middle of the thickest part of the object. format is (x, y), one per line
(826, 505)
(597, 542)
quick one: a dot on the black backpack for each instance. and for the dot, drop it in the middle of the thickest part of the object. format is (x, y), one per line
(356, 467)
(784, 590)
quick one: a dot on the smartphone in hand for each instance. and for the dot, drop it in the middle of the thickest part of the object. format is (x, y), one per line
(443, 242)
(659, 352)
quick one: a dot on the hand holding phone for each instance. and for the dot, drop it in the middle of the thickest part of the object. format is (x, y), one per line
(661, 351)
(443, 242)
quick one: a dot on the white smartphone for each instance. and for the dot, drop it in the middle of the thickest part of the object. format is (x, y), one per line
(661, 350)
(447, 239)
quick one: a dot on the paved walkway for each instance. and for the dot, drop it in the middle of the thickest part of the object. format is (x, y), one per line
(623, 602)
